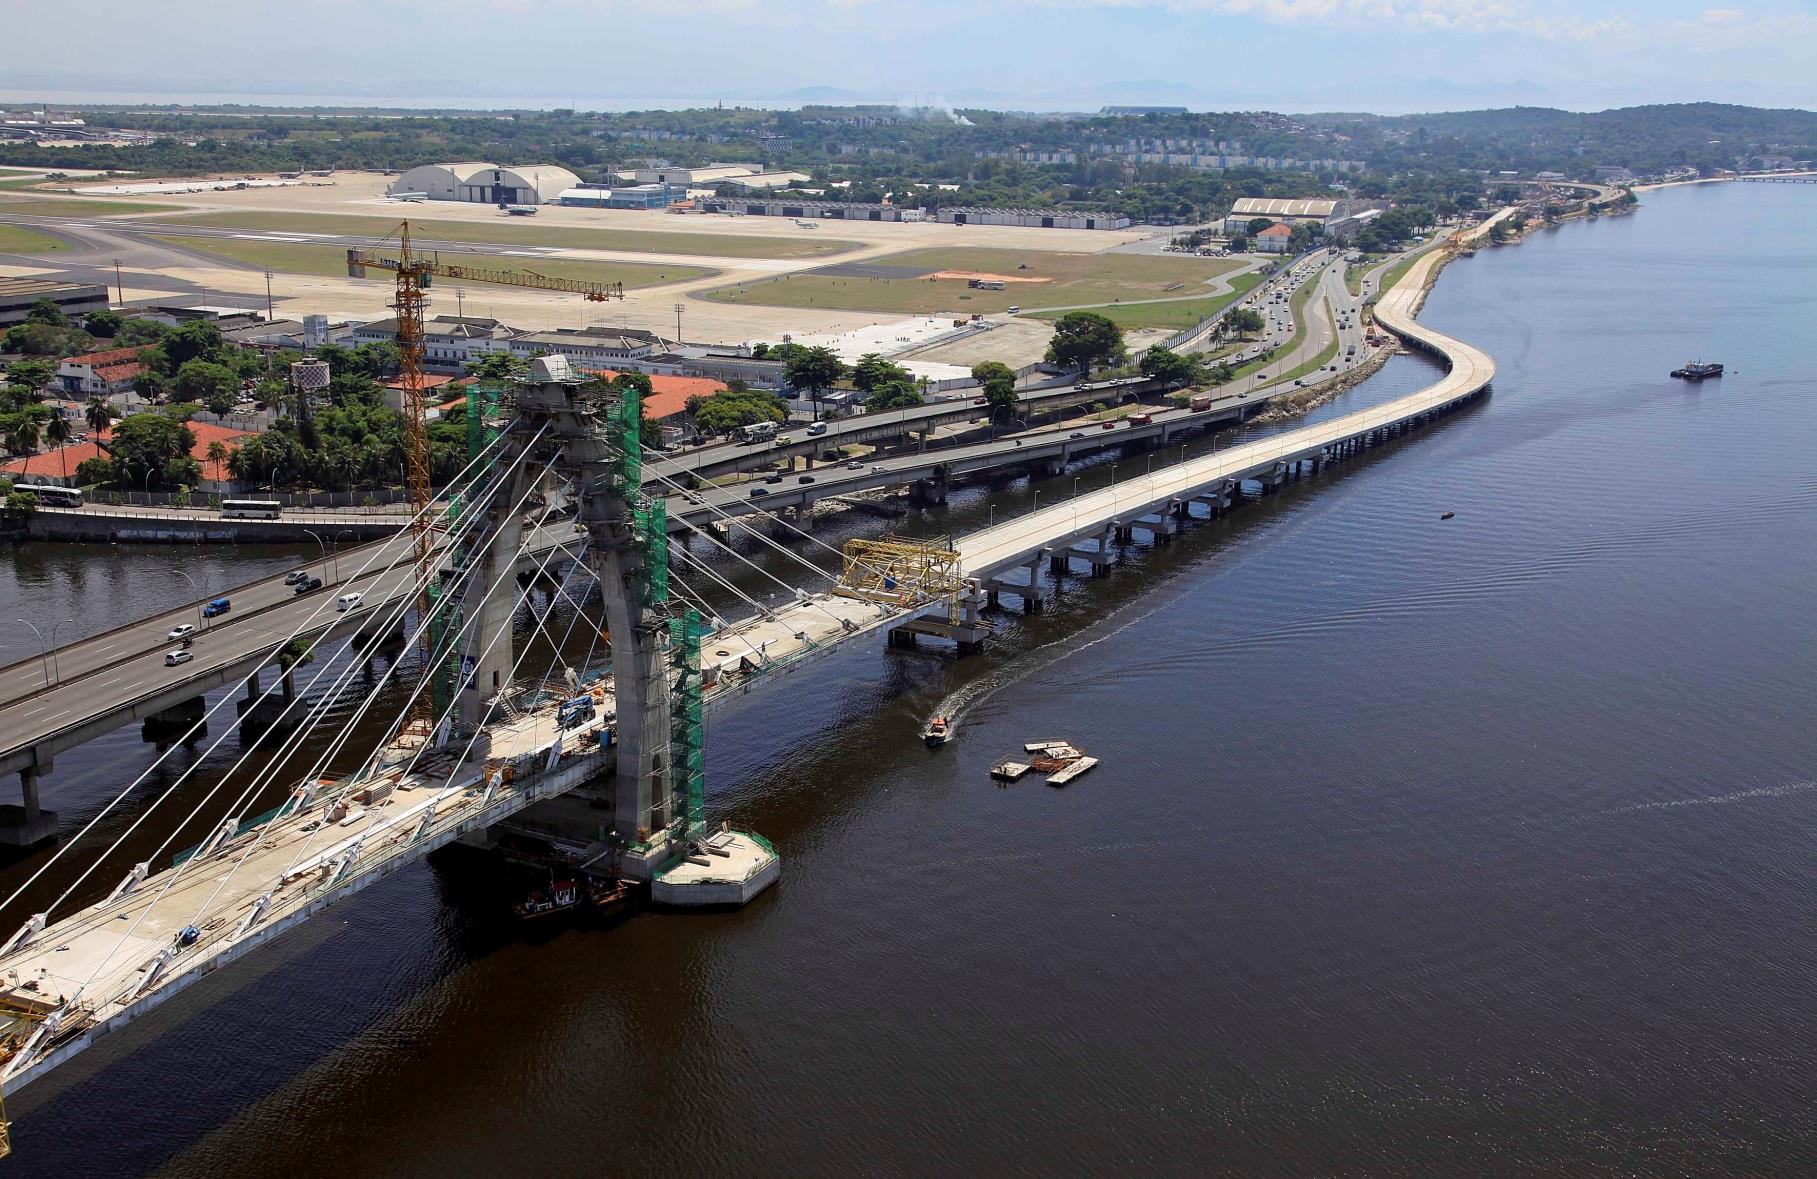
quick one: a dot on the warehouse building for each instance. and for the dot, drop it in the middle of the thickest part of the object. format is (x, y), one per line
(823, 210)
(487, 184)
(18, 294)
(628, 196)
(1033, 218)
(1336, 218)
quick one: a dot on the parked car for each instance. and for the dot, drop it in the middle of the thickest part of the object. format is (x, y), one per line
(172, 658)
(181, 632)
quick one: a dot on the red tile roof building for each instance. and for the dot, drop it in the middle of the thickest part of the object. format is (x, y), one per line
(59, 466)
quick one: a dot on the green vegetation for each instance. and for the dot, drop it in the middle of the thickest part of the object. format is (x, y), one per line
(998, 381)
(514, 232)
(1171, 314)
(71, 207)
(813, 371)
(736, 406)
(332, 261)
(1084, 338)
(1043, 279)
(1395, 273)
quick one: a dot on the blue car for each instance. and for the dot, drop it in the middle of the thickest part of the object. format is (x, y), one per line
(216, 608)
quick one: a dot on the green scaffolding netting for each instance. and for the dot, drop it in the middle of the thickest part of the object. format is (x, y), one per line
(624, 431)
(686, 755)
(650, 522)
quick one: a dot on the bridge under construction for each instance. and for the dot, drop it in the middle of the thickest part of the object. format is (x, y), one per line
(621, 726)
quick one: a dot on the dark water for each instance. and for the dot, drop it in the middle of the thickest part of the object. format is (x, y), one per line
(1475, 847)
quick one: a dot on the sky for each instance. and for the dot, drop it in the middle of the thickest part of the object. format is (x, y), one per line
(1390, 56)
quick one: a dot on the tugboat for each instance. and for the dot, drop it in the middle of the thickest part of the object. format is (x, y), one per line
(560, 896)
(936, 732)
(1697, 370)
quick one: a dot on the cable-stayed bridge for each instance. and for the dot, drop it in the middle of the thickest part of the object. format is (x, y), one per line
(465, 754)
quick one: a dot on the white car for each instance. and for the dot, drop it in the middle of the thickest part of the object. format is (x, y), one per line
(181, 632)
(347, 602)
(172, 658)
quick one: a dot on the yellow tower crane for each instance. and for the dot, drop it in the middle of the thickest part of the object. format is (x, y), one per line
(415, 274)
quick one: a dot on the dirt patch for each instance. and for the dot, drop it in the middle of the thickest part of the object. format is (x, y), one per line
(968, 275)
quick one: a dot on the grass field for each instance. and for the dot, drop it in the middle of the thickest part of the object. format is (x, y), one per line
(900, 283)
(514, 231)
(1173, 315)
(34, 206)
(331, 261)
(17, 239)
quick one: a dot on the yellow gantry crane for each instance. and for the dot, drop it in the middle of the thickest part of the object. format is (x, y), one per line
(415, 274)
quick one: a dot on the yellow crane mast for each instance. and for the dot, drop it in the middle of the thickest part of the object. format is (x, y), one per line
(414, 275)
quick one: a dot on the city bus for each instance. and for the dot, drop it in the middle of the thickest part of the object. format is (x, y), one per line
(56, 497)
(251, 509)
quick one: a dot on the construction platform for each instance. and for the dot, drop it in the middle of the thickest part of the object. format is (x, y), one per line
(729, 869)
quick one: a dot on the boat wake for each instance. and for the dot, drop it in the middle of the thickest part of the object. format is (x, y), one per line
(1715, 799)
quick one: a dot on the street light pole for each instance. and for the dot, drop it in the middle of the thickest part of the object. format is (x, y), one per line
(201, 620)
(44, 655)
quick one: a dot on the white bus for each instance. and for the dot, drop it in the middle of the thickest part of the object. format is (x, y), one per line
(251, 509)
(56, 497)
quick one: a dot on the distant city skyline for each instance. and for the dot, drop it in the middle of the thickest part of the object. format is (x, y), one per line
(1293, 55)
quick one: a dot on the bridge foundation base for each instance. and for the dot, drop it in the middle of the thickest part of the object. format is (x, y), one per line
(26, 827)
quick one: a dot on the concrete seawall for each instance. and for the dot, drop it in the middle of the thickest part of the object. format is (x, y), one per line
(114, 526)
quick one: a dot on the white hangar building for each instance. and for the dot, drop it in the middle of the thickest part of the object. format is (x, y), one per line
(487, 184)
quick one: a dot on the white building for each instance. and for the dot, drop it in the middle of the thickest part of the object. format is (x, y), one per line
(1034, 218)
(592, 347)
(489, 184)
(449, 341)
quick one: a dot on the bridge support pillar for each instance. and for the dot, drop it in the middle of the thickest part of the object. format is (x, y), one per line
(179, 721)
(28, 824)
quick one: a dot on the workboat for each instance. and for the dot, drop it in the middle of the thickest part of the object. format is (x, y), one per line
(560, 896)
(936, 732)
(1697, 370)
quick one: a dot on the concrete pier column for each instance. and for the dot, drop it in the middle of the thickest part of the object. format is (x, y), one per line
(28, 824)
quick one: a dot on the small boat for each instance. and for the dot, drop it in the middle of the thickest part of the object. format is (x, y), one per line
(1447, 515)
(560, 896)
(936, 732)
(1697, 370)
(609, 896)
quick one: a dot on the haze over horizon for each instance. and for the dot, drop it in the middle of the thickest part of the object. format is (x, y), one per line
(1388, 56)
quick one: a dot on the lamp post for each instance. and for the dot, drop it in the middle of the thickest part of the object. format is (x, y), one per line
(47, 658)
(322, 547)
(201, 620)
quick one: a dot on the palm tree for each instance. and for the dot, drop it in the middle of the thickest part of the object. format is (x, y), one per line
(99, 414)
(217, 456)
(57, 432)
(23, 438)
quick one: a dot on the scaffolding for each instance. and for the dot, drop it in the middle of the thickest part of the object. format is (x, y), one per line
(900, 571)
(650, 524)
(687, 758)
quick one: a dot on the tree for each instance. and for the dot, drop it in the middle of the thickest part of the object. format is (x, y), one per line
(1245, 320)
(47, 312)
(497, 366)
(30, 376)
(873, 370)
(57, 432)
(150, 448)
(217, 456)
(22, 438)
(205, 381)
(99, 414)
(898, 394)
(1170, 368)
(104, 323)
(815, 370)
(199, 339)
(729, 409)
(998, 382)
(1257, 225)
(1084, 338)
